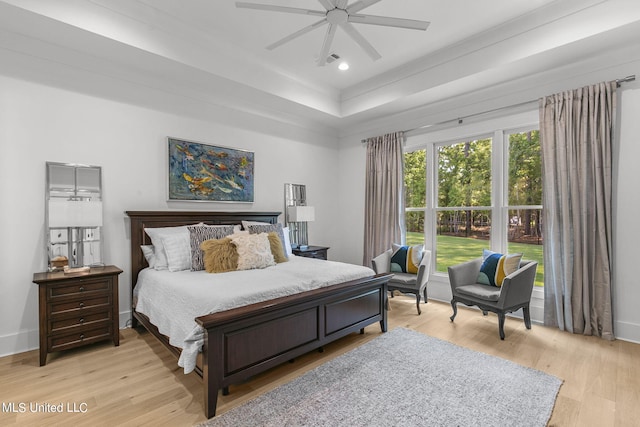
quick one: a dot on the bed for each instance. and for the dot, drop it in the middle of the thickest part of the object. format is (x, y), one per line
(247, 340)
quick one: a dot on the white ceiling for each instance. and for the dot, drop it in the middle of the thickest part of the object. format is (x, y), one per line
(213, 52)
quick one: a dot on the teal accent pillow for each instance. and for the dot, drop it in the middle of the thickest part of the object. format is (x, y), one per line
(406, 259)
(495, 267)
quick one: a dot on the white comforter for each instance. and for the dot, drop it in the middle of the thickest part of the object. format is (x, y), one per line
(172, 300)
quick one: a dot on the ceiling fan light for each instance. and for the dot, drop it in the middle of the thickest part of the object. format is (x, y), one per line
(343, 66)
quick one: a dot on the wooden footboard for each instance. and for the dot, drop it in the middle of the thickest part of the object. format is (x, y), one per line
(248, 340)
(243, 342)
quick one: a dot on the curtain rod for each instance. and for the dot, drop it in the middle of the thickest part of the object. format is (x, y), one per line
(460, 120)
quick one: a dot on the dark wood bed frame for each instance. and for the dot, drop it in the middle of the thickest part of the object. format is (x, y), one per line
(248, 340)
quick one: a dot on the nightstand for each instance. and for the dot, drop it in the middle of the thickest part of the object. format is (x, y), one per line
(77, 309)
(319, 252)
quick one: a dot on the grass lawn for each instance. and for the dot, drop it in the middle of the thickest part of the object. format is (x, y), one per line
(454, 250)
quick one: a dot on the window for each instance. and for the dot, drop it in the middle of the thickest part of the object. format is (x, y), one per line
(476, 193)
(524, 198)
(415, 186)
(463, 194)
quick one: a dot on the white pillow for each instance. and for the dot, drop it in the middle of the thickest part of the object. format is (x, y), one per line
(254, 251)
(156, 235)
(149, 255)
(178, 252)
(287, 242)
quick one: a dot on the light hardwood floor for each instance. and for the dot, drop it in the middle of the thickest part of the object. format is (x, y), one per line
(140, 384)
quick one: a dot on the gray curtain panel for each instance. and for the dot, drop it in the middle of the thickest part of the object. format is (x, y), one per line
(384, 189)
(576, 132)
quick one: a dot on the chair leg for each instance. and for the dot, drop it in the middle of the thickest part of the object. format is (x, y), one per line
(527, 316)
(418, 303)
(501, 317)
(455, 309)
(425, 296)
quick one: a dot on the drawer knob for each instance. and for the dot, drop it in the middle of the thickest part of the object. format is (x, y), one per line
(81, 289)
(81, 337)
(81, 305)
(82, 320)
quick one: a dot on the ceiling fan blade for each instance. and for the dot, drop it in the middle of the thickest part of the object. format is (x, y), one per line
(297, 34)
(328, 4)
(386, 21)
(361, 4)
(326, 45)
(245, 5)
(362, 42)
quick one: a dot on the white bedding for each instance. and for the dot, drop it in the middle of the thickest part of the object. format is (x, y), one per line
(172, 300)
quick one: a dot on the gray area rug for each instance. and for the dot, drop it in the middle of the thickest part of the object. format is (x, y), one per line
(405, 378)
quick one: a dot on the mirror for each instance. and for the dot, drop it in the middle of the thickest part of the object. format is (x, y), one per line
(73, 218)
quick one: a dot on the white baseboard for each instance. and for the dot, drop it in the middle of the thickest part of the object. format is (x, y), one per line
(19, 342)
(627, 331)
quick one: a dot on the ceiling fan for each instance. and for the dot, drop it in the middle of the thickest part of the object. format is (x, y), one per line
(338, 13)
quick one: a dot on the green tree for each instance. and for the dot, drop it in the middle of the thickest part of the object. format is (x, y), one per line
(525, 178)
(415, 188)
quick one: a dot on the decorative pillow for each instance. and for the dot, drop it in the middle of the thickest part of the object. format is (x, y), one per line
(276, 248)
(148, 252)
(254, 251)
(267, 228)
(246, 224)
(200, 233)
(288, 250)
(220, 255)
(495, 267)
(178, 252)
(156, 235)
(406, 259)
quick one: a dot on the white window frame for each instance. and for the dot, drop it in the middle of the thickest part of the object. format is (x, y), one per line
(497, 129)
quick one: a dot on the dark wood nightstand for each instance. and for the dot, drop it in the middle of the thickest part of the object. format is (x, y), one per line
(78, 309)
(319, 252)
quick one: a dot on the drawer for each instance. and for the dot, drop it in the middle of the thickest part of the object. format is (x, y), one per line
(80, 336)
(79, 287)
(80, 304)
(82, 318)
(316, 254)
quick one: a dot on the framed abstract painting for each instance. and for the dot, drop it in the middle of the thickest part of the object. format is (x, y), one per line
(209, 173)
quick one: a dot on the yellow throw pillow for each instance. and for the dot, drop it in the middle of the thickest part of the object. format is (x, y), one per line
(276, 247)
(220, 255)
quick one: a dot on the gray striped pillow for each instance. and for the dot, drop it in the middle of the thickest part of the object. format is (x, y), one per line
(200, 233)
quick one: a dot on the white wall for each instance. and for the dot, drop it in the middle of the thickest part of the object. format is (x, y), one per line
(626, 292)
(626, 206)
(40, 123)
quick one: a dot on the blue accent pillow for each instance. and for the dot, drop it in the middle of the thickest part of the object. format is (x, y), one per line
(495, 267)
(406, 259)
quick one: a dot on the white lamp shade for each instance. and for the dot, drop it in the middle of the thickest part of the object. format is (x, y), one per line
(75, 213)
(301, 213)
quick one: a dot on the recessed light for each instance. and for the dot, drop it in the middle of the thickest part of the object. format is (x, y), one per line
(343, 66)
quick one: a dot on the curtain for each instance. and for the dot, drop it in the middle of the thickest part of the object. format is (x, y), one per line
(384, 190)
(576, 132)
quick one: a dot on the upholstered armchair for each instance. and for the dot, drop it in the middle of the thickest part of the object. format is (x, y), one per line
(514, 293)
(412, 283)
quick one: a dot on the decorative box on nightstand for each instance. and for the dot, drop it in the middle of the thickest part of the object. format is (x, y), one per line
(77, 309)
(319, 252)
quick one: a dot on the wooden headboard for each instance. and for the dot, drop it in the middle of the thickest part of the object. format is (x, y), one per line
(152, 219)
